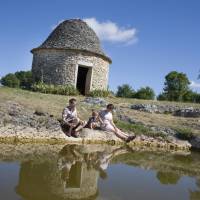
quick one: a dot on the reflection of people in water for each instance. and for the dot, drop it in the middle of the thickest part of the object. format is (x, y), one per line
(70, 158)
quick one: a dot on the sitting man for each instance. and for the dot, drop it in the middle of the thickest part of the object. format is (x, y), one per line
(72, 124)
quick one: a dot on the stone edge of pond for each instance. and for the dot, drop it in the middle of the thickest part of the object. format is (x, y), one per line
(153, 145)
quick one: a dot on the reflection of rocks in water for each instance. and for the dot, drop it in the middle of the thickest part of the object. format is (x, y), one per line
(167, 177)
(72, 175)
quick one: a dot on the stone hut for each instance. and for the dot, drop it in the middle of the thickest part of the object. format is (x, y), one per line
(72, 54)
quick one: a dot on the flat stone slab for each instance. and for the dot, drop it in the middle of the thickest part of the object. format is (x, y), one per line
(22, 135)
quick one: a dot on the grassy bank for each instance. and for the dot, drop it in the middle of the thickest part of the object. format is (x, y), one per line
(54, 104)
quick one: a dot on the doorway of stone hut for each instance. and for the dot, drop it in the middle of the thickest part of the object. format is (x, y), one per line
(83, 79)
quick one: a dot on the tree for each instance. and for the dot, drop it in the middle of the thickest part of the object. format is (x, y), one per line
(176, 86)
(25, 78)
(10, 80)
(191, 96)
(162, 97)
(125, 90)
(145, 93)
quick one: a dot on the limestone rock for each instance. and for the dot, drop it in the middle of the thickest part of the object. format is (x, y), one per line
(187, 112)
(172, 109)
(95, 101)
(195, 142)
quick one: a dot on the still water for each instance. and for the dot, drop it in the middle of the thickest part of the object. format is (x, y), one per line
(56, 172)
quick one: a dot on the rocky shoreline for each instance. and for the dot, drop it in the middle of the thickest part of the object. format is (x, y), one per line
(21, 125)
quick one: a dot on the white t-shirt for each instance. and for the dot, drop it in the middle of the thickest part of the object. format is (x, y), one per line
(106, 116)
(68, 114)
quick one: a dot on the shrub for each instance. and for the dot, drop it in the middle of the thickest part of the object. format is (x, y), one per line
(191, 96)
(10, 80)
(99, 93)
(184, 133)
(145, 93)
(55, 89)
(138, 129)
(25, 78)
(125, 90)
(162, 97)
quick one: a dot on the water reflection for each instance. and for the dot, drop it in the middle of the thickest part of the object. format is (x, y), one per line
(72, 175)
(74, 171)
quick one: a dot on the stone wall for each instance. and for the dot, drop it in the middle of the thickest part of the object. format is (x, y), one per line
(61, 66)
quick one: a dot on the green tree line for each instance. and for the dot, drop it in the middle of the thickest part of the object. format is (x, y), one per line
(176, 88)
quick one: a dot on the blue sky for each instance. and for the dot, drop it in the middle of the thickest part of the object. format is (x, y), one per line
(146, 39)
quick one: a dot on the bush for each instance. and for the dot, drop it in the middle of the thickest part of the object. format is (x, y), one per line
(125, 90)
(191, 96)
(99, 93)
(162, 97)
(55, 89)
(145, 93)
(10, 80)
(25, 78)
(184, 133)
(138, 129)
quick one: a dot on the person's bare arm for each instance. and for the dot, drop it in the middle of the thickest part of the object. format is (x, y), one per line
(113, 124)
(99, 118)
(67, 119)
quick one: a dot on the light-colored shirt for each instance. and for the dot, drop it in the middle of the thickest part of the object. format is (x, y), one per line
(106, 116)
(69, 114)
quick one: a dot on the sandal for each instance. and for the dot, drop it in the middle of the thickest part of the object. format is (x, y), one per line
(130, 138)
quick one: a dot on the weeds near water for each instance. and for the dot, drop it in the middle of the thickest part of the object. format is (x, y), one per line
(138, 129)
(184, 133)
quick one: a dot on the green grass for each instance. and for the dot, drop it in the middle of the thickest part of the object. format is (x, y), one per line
(138, 129)
(99, 93)
(184, 133)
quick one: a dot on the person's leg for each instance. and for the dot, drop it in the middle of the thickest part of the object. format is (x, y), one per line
(70, 131)
(118, 133)
(66, 129)
(80, 125)
(123, 133)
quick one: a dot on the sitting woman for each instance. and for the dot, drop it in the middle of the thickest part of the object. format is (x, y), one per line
(71, 121)
(107, 124)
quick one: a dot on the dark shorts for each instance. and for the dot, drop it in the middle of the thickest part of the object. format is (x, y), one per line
(65, 127)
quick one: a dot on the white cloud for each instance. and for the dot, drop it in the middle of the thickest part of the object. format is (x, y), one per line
(110, 31)
(193, 84)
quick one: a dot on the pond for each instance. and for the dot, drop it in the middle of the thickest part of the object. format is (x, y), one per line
(56, 172)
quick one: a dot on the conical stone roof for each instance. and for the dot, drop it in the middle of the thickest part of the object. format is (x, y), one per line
(74, 34)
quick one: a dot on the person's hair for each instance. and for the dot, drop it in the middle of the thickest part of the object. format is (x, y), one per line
(94, 113)
(72, 100)
(110, 106)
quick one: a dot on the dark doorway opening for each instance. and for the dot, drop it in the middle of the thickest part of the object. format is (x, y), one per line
(74, 179)
(81, 79)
